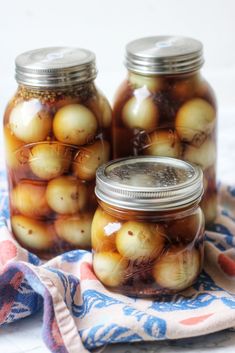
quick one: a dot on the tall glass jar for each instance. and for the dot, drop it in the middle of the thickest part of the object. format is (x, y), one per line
(166, 108)
(148, 231)
(57, 132)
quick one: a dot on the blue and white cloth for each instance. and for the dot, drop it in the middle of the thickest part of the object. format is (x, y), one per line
(80, 314)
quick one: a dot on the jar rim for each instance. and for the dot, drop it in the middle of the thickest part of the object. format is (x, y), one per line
(55, 67)
(147, 183)
(164, 55)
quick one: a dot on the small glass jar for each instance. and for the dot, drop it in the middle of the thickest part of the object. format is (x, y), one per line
(148, 231)
(166, 108)
(57, 132)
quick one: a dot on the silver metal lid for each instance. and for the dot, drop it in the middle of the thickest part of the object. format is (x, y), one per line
(149, 183)
(55, 67)
(164, 55)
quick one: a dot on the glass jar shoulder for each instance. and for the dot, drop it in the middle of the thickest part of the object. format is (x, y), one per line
(182, 224)
(73, 117)
(165, 92)
(52, 100)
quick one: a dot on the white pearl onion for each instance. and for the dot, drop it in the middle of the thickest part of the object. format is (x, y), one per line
(12, 144)
(66, 195)
(209, 207)
(89, 158)
(152, 83)
(140, 113)
(74, 124)
(163, 143)
(137, 240)
(29, 198)
(31, 233)
(110, 268)
(177, 268)
(102, 110)
(195, 120)
(103, 231)
(29, 122)
(204, 156)
(49, 160)
(75, 229)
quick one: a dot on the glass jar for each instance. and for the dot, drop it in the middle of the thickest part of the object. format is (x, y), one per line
(166, 108)
(148, 231)
(57, 132)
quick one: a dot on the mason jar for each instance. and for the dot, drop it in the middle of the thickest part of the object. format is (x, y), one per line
(57, 133)
(148, 231)
(166, 108)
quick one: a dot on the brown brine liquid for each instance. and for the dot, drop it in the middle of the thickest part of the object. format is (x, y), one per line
(54, 142)
(173, 116)
(142, 254)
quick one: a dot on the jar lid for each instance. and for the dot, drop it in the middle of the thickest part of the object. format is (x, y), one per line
(149, 183)
(164, 55)
(55, 67)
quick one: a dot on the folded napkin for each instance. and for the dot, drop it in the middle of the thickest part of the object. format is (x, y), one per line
(80, 314)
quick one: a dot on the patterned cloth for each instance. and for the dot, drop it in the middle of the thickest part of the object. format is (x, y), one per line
(80, 314)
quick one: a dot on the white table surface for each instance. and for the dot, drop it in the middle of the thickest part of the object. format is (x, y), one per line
(25, 335)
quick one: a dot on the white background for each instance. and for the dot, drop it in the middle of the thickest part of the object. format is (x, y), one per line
(105, 26)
